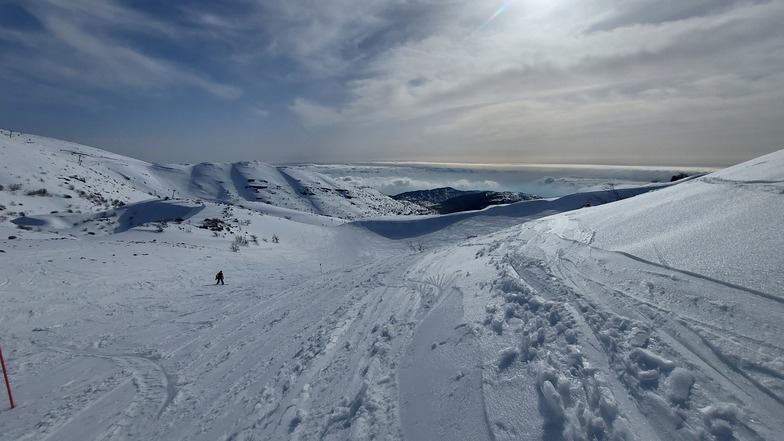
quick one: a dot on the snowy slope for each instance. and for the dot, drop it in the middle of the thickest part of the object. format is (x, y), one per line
(634, 320)
(710, 226)
(92, 179)
(537, 320)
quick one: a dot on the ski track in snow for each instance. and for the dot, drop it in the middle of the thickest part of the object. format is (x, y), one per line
(641, 337)
(580, 354)
(153, 393)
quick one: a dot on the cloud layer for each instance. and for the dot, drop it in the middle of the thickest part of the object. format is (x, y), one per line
(696, 81)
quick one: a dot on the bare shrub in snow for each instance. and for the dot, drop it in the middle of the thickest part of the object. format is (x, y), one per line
(213, 224)
(417, 247)
(234, 247)
(15, 187)
(275, 238)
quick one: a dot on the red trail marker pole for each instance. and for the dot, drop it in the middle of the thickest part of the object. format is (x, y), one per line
(5, 375)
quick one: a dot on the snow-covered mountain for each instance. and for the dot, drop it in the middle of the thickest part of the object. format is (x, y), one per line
(654, 317)
(447, 200)
(46, 175)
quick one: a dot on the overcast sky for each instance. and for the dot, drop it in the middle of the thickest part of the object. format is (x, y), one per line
(693, 82)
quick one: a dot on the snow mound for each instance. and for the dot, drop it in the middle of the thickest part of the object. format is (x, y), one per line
(725, 226)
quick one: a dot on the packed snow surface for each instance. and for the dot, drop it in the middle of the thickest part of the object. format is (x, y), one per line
(655, 317)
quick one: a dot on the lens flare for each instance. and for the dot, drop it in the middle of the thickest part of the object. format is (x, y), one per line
(498, 12)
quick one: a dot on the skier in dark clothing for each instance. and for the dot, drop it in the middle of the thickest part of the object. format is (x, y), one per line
(219, 278)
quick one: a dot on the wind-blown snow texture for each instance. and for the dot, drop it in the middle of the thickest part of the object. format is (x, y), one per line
(656, 317)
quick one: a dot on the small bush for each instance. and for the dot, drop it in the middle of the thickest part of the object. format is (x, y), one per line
(275, 238)
(15, 187)
(40, 192)
(234, 247)
(213, 224)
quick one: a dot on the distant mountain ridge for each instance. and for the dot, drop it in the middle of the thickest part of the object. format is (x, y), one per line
(447, 200)
(48, 176)
(431, 196)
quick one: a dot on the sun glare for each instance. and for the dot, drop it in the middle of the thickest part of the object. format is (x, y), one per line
(497, 12)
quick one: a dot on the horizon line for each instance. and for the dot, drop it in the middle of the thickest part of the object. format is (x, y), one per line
(545, 165)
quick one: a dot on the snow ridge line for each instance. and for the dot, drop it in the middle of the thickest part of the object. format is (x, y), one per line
(716, 180)
(755, 292)
(762, 294)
